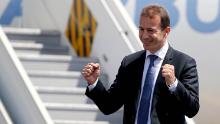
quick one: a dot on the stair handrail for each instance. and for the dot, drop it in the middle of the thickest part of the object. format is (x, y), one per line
(16, 90)
(4, 117)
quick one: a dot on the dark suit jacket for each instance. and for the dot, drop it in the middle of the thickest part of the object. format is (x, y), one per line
(167, 107)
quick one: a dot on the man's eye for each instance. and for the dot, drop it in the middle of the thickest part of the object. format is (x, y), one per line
(150, 30)
(141, 29)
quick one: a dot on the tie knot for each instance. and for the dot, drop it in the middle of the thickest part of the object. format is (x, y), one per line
(152, 59)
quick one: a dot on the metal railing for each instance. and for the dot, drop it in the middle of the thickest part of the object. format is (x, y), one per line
(4, 117)
(16, 90)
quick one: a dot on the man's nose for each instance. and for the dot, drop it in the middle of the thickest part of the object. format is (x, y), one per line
(145, 35)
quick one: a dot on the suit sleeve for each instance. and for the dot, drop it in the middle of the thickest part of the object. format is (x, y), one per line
(187, 91)
(109, 101)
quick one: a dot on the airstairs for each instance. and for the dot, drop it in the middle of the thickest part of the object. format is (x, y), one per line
(55, 74)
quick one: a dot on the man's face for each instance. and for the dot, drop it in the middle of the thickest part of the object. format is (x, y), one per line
(150, 33)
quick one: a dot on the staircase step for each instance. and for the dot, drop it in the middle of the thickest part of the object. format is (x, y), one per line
(32, 34)
(63, 95)
(58, 81)
(79, 122)
(78, 107)
(63, 90)
(55, 66)
(54, 62)
(61, 74)
(38, 48)
(57, 78)
(52, 58)
(43, 42)
(65, 98)
(84, 112)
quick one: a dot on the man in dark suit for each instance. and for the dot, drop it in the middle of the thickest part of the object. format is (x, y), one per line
(174, 90)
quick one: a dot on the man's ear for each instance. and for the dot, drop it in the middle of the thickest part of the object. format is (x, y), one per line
(167, 31)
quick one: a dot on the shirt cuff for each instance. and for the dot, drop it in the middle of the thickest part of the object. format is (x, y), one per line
(173, 86)
(92, 86)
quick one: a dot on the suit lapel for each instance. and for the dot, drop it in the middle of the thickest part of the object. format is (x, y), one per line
(140, 65)
(141, 62)
(169, 56)
(167, 60)
(160, 84)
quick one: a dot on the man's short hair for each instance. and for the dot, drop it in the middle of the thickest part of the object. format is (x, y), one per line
(154, 9)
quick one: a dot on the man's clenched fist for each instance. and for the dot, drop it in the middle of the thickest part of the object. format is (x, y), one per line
(91, 72)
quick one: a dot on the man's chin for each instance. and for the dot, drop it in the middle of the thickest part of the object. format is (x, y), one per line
(149, 48)
(146, 46)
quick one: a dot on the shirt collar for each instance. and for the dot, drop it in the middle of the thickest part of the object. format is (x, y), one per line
(161, 53)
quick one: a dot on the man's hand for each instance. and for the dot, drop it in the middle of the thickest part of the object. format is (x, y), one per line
(91, 72)
(169, 74)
